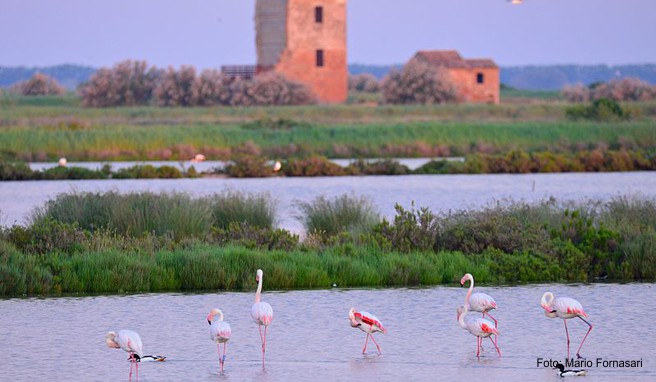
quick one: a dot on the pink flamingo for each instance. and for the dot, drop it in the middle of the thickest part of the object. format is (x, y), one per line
(261, 312)
(478, 302)
(369, 324)
(128, 341)
(565, 308)
(220, 332)
(480, 327)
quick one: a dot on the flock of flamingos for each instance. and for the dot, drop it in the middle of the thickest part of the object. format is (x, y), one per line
(262, 313)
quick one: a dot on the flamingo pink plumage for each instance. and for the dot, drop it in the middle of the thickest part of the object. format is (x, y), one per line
(565, 308)
(261, 312)
(129, 341)
(220, 332)
(479, 327)
(368, 323)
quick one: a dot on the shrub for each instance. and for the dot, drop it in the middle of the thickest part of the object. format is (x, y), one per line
(411, 230)
(602, 109)
(578, 93)
(418, 83)
(364, 82)
(39, 85)
(626, 89)
(177, 88)
(273, 89)
(381, 167)
(128, 83)
(15, 171)
(248, 166)
(213, 88)
(253, 237)
(313, 166)
(47, 236)
(344, 213)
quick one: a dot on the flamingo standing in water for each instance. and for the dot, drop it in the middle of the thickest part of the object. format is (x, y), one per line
(220, 332)
(480, 327)
(565, 308)
(261, 312)
(369, 324)
(478, 302)
(128, 341)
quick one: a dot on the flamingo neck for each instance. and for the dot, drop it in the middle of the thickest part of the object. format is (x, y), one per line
(461, 318)
(469, 292)
(259, 291)
(547, 299)
(220, 314)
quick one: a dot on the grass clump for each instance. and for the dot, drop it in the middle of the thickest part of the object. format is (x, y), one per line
(255, 210)
(345, 213)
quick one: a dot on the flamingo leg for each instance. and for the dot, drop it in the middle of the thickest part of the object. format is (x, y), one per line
(218, 350)
(377, 347)
(496, 323)
(478, 346)
(264, 344)
(131, 365)
(495, 345)
(137, 369)
(225, 344)
(578, 355)
(364, 350)
(567, 333)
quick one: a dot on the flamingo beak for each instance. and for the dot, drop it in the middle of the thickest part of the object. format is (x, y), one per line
(209, 322)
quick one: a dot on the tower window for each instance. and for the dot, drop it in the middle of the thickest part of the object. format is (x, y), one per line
(318, 14)
(480, 78)
(319, 57)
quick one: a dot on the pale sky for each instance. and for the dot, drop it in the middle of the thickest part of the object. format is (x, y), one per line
(210, 33)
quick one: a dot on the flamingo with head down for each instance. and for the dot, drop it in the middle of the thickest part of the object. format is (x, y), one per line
(368, 323)
(479, 327)
(220, 332)
(128, 341)
(565, 308)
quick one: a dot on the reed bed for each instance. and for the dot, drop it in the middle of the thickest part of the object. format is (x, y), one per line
(344, 213)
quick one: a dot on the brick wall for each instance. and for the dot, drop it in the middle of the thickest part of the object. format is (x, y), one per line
(305, 36)
(471, 90)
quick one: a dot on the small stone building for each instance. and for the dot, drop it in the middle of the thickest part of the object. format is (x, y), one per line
(476, 79)
(304, 40)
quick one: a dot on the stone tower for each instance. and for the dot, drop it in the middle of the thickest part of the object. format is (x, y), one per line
(305, 40)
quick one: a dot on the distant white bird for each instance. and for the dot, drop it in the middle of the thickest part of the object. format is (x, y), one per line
(368, 323)
(220, 332)
(516, 2)
(479, 327)
(565, 308)
(277, 166)
(62, 162)
(128, 341)
(261, 312)
(198, 158)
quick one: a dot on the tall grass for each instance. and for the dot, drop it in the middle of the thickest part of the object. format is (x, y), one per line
(257, 210)
(175, 214)
(202, 267)
(344, 213)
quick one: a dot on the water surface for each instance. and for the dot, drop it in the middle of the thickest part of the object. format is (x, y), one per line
(310, 338)
(438, 192)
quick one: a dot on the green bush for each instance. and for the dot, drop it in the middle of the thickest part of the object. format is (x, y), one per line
(603, 110)
(255, 210)
(411, 230)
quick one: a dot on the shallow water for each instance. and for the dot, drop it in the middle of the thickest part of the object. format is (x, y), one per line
(438, 192)
(310, 337)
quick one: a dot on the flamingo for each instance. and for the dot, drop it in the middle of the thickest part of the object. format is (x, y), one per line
(478, 302)
(565, 308)
(128, 341)
(369, 324)
(261, 312)
(220, 332)
(480, 327)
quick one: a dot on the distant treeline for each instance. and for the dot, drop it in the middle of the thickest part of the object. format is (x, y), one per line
(533, 77)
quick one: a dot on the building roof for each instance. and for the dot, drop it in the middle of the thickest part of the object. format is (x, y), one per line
(452, 59)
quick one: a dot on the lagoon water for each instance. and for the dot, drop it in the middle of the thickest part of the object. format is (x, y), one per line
(62, 339)
(438, 192)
